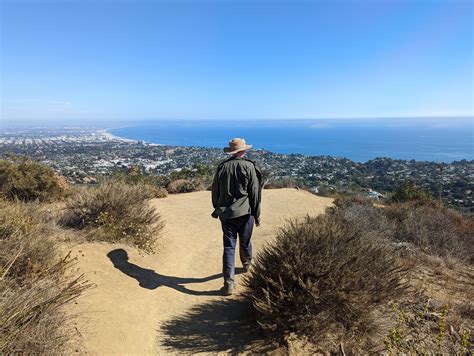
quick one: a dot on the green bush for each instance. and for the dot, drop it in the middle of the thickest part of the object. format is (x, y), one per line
(408, 192)
(26, 180)
(320, 278)
(115, 211)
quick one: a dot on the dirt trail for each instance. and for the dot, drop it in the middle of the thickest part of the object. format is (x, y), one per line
(169, 302)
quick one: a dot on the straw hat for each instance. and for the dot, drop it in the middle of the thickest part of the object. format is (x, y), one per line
(236, 145)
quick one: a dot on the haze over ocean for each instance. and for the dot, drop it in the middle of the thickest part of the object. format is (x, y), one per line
(439, 140)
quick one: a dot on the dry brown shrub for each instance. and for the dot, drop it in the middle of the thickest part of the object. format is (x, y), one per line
(362, 215)
(115, 211)
(320, 278)
(33, 285)
(184, 186)
(434, 229)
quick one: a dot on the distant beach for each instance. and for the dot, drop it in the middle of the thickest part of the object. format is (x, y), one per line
(438, 140)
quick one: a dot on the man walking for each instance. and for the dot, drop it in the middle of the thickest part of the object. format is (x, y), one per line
(236, 197)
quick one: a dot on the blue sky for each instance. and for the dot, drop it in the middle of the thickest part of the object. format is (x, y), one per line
(70, 60)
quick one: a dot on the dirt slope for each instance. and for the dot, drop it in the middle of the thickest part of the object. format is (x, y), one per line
(169, 302)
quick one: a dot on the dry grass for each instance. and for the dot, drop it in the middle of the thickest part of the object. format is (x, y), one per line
(33, 285)
(23, 232)
(33, 320)
(115, 211)
(423, 326)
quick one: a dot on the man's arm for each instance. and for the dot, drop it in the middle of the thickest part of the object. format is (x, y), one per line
(253, 190)
(215, 190)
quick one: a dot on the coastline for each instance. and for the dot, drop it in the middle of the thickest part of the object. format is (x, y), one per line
(111, 137)
(359, 144)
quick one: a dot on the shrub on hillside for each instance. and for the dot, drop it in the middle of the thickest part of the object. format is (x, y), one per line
(434, 229)
(158, 192)
(320, 278)
(134, 177)
(343, 200)
(115, 211)
(33, 285)
(278, 183)
(184, 186)
(424, 224)
(362, 215)
(26, 180)
(409, 192)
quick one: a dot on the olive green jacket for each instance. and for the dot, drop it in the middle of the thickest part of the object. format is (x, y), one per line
(236, 189)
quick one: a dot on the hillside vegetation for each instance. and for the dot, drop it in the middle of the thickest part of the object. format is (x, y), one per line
(36, 280)
(395, 277)
(114, 211)
(35, 284)
(25, 180)
(349, 278)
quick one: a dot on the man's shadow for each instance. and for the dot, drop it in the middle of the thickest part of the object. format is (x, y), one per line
(149, 279)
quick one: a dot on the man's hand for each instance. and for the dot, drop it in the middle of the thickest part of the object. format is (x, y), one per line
(258, 222)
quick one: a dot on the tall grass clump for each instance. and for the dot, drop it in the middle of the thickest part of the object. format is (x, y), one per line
(26, 249)
(321, 278)
(34, 286)
(115, 211)
(25, 180)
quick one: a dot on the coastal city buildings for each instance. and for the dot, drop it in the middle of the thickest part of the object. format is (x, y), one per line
(82, 155)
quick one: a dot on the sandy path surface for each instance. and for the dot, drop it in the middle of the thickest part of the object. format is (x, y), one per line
(169, 302)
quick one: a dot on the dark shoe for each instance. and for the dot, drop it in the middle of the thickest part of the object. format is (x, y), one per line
(228, 289)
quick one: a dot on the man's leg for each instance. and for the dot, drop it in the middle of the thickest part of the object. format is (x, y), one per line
(229, 230)
(245, 242)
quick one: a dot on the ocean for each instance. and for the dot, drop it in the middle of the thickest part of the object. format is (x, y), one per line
(438, 140)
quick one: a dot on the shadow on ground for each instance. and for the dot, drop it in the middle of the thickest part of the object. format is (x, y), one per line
(149, 279)
(224, 325)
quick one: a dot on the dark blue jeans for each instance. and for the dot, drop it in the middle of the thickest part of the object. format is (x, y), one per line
(241, 227)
